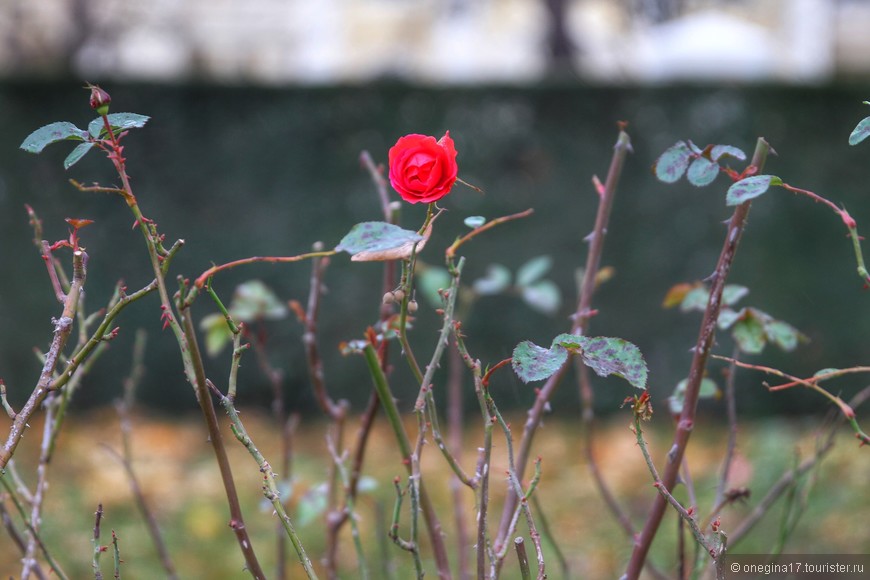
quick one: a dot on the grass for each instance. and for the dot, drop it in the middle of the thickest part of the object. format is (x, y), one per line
(174, 463)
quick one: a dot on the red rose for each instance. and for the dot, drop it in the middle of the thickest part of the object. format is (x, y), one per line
(421, 168)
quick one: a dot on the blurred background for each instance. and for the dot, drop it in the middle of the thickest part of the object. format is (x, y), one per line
(260, 110)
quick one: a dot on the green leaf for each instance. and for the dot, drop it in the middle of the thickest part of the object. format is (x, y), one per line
(750, 188)
(497, 279)
(615, 356)
(96, 128)
(533, 270)
(217, 333)
(253, 300)
(80, 151)
(732, 293)
(430, 280)
(727, 317)
(378, 241)
(695, 299)
(672, 164)
(719, 150)
(474, 221)
(606, 356)
(543, 296)
(783, 334)
(707, 390)
(861, 132)
(749, 333)
(702, 172)
(534, 363)
(52, 133)
(119, 122)
(570, 341)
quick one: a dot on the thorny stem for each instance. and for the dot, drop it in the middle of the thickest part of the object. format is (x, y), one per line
(270, 486)
(514, 483)
(483, 544)
(62, 329)
(33, 533)
(36, 501)
(186, 339)
(483, 469)
(425, 399)
(435, 535)
(454, 428)
(116, 551)
(98, 549)
(18, 540)
(580, 322)
(407, 285)
(409, 546)
(715, 549)
(349, 508)
(443, 339)
(237, 522)
(52, 272)
(848, 221)
(702, 348)
(554, 543)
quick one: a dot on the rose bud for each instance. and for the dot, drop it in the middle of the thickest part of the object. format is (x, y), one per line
(100, 100)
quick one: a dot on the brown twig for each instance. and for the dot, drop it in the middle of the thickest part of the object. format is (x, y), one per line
(36, 501)
(62, 329)
(377, 174)
(812, 384)
(731, 446)
(201, 279)
(451, 251)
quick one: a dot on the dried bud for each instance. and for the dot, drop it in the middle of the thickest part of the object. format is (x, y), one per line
(100, 100)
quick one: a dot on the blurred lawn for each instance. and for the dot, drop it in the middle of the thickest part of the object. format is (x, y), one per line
(175, 465)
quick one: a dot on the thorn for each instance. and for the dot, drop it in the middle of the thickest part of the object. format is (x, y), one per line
(599, 187)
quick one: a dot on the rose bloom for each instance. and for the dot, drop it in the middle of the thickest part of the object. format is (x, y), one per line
(421, 168)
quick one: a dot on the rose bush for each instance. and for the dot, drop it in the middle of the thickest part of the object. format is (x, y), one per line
(421, 168)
